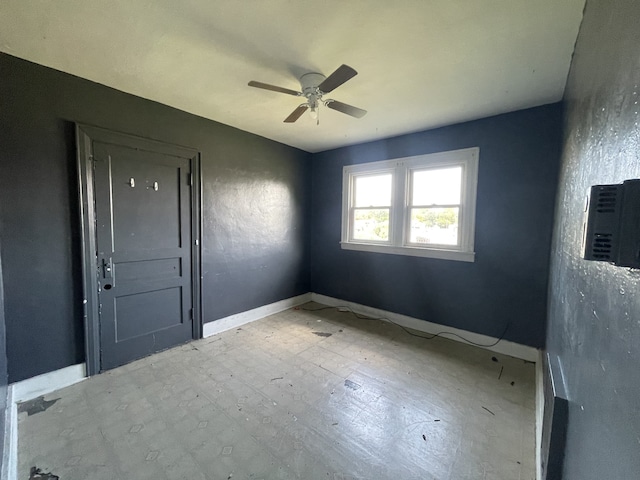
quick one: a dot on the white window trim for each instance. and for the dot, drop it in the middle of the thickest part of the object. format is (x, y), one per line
(398, 236)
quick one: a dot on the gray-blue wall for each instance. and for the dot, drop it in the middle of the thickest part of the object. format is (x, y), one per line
(594, 307)
(3, 365)
(255, 203)
(507, 284)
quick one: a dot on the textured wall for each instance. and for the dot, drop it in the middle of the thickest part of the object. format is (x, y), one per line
(255, 194)
(507, 284)
(594, 307)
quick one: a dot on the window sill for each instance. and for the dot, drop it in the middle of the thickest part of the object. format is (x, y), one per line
(411, 251)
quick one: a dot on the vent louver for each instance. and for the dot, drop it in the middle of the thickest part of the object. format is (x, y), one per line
(607, 200)
(602, 246)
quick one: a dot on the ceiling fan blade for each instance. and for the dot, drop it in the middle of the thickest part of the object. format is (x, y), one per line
(273, 88)
(296, 114)
(344, 108)
(337, 78)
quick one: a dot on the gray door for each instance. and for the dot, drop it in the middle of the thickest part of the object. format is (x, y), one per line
(143, 230)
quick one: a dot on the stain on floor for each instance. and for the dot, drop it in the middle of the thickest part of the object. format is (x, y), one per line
(351, 385)
(36, 405)
(37, 474)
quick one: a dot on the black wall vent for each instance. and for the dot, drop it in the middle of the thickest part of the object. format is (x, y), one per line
(611, 230)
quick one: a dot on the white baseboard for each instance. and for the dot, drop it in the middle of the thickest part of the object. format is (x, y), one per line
(242, 318)
(10, 454)
(505, 347)
(539, 413)
(48, 382)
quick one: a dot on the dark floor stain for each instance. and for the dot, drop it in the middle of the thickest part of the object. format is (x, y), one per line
(37, 474)
(494, 359)
(36, 405)
(351, 385)
(322, 334)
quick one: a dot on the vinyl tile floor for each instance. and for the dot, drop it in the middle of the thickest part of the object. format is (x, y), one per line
(297, 395)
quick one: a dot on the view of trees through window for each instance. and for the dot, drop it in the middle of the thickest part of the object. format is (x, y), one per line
(434, 225)
(371, 224)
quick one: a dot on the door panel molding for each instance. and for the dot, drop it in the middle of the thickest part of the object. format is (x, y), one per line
(86, 135)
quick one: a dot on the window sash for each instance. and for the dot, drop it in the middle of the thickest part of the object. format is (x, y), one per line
(410, 206)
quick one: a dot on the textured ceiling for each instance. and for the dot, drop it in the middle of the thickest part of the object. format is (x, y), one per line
(421, 63)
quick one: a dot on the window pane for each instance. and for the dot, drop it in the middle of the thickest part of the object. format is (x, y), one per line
(434, 226)
(437, 187)
(373, 190)
(371, 224)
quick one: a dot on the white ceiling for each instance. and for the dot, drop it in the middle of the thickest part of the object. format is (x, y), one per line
(421, 63)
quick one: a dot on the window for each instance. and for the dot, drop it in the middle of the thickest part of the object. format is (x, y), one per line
(421, 206)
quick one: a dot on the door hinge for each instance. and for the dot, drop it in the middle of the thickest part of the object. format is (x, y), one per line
(190, 179)
(191, 314)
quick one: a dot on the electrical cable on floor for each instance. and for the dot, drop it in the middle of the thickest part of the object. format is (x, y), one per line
(408, 330)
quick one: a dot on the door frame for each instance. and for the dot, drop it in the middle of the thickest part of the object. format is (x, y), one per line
(85, 135)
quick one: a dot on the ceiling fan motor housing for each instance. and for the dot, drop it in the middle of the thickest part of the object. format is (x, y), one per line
(309, 83)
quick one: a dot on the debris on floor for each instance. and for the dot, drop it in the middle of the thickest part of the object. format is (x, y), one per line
(37, 474)
(489, 411)
(36, 405)
(351, 385)
(322, 334)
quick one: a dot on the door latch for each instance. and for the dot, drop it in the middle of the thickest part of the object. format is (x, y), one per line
(106, 268)
(107, 273)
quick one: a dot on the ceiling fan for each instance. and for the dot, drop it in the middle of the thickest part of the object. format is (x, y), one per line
(314, 86)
